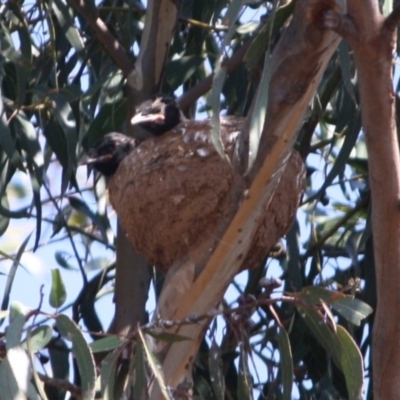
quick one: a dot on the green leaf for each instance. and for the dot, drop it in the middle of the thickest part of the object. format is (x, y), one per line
(18, 309)
(232, 15)
(293, 264)
(261, 41)
(259, 112)
(313, 295)
(62, 260)
(28, 139)
(108, 374)
(31, 347)
(154, 366)
(109, 119)
(66, 121)
(65, 19)
(323, 333)
(140, 387)
(4, 221)
(15, 375)
(38, 338)
(286, 361)
(14, 332)
(216, 374)
(58, 293)
(354, 310)
(106, 344)
(11, 275)
(351, 363)
(87, 298)
(81, 206)
(244, 378)
(59, 360)
(7, 143)
(83, 355)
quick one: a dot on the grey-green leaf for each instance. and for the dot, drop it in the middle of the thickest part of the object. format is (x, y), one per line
(354, 310)
(82, 353)
(351, 363)
(286, 361)
(106, 344)
(58, 292)
(38, 338)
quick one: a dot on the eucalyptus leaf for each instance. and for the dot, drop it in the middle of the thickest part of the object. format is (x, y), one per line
(354, 310)
(58, 292)
(286, 362)
(83, 355)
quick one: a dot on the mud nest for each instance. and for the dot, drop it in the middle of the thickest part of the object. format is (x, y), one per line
(171, 191)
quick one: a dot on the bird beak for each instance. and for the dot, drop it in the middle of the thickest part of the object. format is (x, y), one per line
(91, 160)
(140, 118)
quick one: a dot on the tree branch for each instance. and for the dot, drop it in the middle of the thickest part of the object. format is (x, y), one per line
(373, 60)
(296, 69)
(113, 48)
(75, 391)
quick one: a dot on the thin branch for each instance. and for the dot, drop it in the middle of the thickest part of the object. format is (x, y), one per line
(75, 391)
(104, 36)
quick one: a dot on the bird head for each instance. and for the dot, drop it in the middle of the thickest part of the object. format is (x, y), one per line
(158, 115)
(106, 155)
(155, 116)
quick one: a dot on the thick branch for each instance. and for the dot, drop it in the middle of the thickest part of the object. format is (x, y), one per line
(296, 68)
(373, 60)
(104, 36)
(159, 26)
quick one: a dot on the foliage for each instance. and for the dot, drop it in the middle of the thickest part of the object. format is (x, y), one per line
(304, 336)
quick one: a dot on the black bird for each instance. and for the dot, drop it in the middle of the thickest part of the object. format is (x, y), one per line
(156, 116)
(106, 155)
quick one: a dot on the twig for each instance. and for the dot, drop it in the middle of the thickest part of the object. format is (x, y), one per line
(196, 319)
(75, 391)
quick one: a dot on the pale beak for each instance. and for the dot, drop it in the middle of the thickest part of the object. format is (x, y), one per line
(140, 118)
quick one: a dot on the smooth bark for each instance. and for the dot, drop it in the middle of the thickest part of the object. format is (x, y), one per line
(372, 39)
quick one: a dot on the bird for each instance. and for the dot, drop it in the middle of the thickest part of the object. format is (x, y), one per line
(155, 116)
(107, 154)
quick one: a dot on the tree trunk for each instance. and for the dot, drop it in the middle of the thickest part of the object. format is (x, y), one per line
(372, 38)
